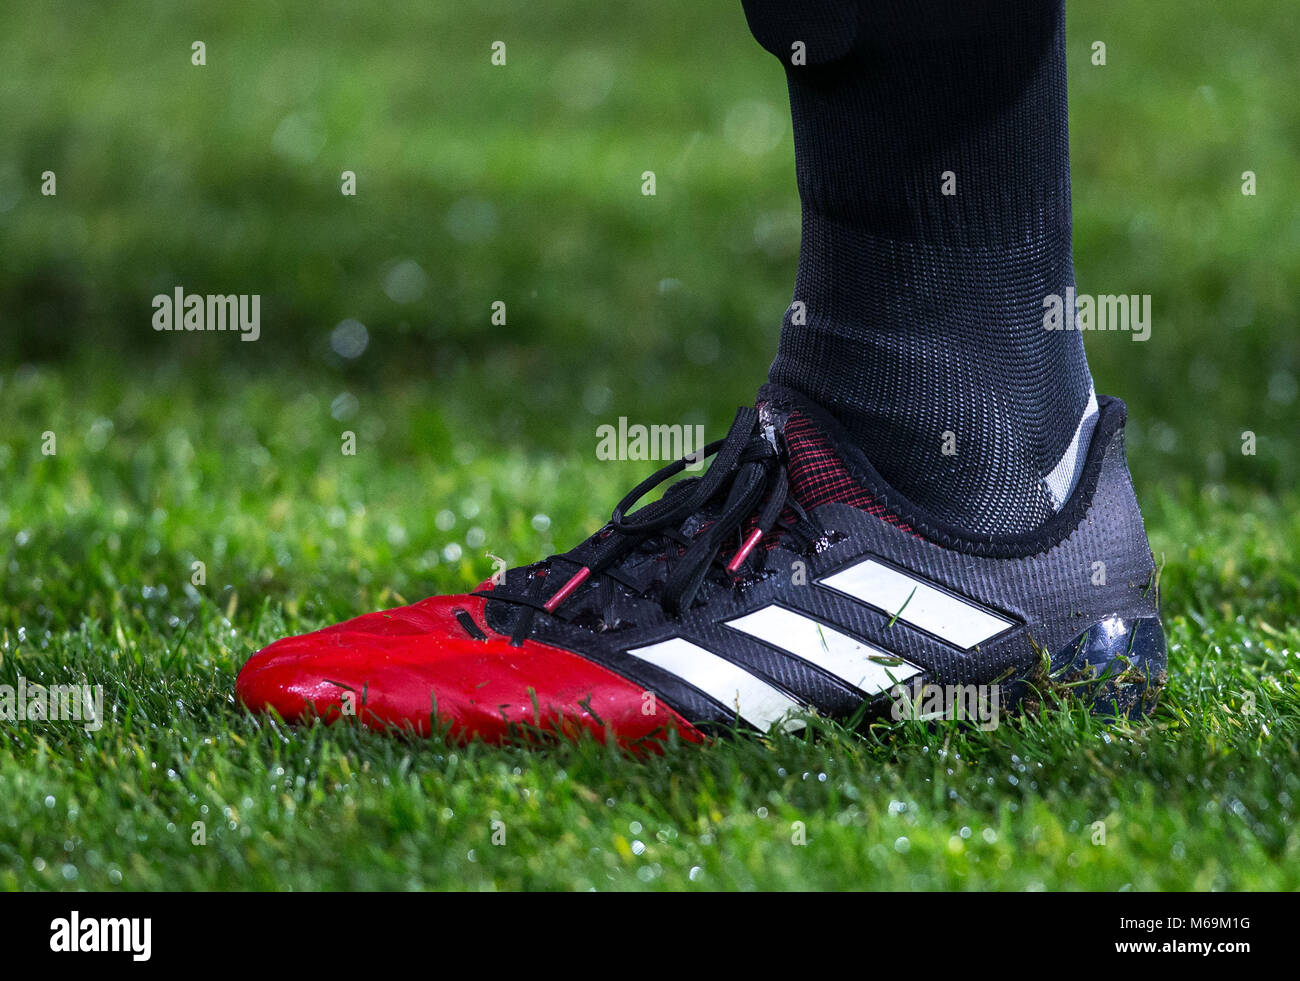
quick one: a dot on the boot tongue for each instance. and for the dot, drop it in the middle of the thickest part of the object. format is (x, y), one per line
(816, 473)
(816, 468)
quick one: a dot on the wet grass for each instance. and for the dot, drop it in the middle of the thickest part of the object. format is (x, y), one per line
(98, 543)
(524, 184)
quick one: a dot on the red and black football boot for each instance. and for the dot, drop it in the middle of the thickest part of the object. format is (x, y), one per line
(787, 578)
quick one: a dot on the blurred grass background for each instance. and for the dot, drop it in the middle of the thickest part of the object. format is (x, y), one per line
(522, 183)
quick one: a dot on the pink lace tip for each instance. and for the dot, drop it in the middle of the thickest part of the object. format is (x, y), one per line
(745, 549)
(565, 591)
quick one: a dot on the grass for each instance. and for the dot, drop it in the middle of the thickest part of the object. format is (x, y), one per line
(524, 185)
(98, 549)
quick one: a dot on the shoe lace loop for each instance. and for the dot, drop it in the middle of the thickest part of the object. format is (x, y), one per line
(748, 474)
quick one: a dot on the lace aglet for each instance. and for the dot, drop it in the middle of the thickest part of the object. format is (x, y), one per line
(745, 549)
(565, 591)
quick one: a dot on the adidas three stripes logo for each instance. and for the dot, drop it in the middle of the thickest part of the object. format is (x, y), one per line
(864, 667)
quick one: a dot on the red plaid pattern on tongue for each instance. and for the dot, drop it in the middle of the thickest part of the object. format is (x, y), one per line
(817, 475)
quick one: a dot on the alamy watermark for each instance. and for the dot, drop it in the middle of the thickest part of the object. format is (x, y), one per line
(979, 704)
(26, 702)
(638, 442)
(240, 312)
(75, 934)
(1127, 312)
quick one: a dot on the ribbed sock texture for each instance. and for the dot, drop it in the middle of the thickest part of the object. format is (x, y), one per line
(917, 318)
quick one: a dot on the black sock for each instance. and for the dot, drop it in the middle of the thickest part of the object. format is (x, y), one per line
(918, 316)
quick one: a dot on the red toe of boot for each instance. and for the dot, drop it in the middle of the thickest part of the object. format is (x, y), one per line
(400, 667)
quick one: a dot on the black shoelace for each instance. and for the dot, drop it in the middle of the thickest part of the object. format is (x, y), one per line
(748, 476)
